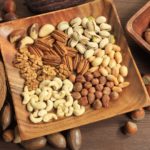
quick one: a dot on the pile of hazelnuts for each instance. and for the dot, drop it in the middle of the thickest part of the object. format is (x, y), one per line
(8, 11)
(93, 89)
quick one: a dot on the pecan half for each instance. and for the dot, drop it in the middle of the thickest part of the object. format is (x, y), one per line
(68, 62)
(76, 61)
(33, 50)
(60, 36)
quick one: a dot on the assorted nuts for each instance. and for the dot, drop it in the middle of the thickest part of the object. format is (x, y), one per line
(68, 67)
(51, 96)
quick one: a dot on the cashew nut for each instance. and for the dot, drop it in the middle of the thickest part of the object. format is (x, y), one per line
(76, 105)
(35, 113)
(49, 90)
(29, 107)
(68, 86)
(59, 95)
(38, 91)
(49, 105)
(42, 95)
(60, 112)
(42, 112)
(69, 102)
(53, 99)
(54, 85)
(26, 98)
(49, 117)
(37, 105)
(79, 112)
(34, 119)
(59, 81)
(70, 111)
(58, 102)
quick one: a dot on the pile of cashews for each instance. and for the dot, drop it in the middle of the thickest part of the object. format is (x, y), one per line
(51, 100)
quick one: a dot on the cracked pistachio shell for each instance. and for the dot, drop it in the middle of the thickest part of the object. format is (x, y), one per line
(75, 22)
(84, 22)
(96, 38)
(84, 40)
(81, 48)
(69, 31)
(89, 34)
(76, 36)
(90, 26)
(78, 29)
(92, 45)
(64, 25)
(105, 26)
(72, 42)
(104, 33)
(103, 42)
(101, 19)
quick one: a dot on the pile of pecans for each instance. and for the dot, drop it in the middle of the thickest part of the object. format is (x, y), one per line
(82, 50)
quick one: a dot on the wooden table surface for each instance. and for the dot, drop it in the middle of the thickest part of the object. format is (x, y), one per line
(106, 135)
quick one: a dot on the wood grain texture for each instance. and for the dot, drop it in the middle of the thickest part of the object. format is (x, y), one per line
(138, 24)
(104, 134)
(3, 88)
(133, 97)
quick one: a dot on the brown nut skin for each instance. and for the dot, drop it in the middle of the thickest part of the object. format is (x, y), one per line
(147, 35)
(110, 84)
(76, 95)
(88, 76)
(57, 140)
(83, 101)
(80, 78)
(72, 78)
(92, 90)
(91, 98)
(105, 101)
(97, 104)
(98, 94)
(34, 144)
(96, 74)
(102, 80)
(130, 128)
(87, 85)
(114, 95)
(8, 135)
(6, 116)
(77, 87)
(84, 92)
(95, 81)
(9, 6)
(138, 114)
(10, 16)
(74, 139)
(99, 87)
(106, 90)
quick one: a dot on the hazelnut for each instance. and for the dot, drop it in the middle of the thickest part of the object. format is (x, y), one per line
(97, 104)
(95, 81)
(88, 76)
(102, 80)
(99, 87)
(80, 78)
(110, 84)
(8, 135)
(77, 87)
(98, 94)
(87, 85)
(92, 90)
(105, 100)
(10, 16)
(96, 74)
(147, 35)
(72, 78)
(138, 114)
(106, 90)
(76, 95)
(83, 101)
(114, 95)
(84, 92)
(130, 128)
(91, 98)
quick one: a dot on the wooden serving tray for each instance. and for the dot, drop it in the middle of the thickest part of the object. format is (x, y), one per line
(138, 24)
(133, 97)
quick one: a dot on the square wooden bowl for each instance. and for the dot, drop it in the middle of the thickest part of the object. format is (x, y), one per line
(133, 97)
(138, 24)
